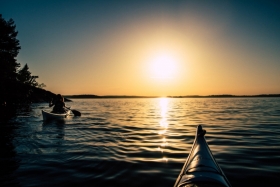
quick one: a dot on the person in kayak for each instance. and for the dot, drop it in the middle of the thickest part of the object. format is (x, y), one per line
(59, 105)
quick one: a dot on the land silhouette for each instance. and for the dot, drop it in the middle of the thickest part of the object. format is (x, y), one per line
(85, 96)
(18, 86)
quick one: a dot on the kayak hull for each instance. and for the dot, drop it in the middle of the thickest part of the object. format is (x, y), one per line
(201, 168)
(50, 116)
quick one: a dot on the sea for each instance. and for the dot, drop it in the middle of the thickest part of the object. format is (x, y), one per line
(142, 142)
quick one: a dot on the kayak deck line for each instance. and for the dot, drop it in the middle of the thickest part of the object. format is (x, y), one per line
(201, 168)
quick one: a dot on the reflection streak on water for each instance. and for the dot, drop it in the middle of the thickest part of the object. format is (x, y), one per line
(164, 106)
(117, 141)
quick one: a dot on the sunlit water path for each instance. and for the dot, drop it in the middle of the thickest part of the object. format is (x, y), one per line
(142, 142)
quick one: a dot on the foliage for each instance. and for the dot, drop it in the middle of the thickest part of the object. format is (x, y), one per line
(24, 76)
(9, 49)
(16, 85)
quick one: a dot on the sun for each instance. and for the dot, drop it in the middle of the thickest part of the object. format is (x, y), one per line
(163, 66)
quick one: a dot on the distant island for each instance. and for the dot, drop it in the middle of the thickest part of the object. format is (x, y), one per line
(89, 96)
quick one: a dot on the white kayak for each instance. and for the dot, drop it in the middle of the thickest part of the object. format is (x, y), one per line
(201, 168)
(49, 115)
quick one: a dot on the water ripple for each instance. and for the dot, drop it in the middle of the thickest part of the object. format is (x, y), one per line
(144, 142)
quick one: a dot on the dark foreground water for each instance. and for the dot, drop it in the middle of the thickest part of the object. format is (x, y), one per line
(142, 142)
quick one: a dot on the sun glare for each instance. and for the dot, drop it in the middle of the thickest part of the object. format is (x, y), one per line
(163, 66)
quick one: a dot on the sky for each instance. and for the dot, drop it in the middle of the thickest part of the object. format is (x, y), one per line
(150, 48)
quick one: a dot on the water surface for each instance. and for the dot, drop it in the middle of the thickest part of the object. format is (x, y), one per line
(142, 142)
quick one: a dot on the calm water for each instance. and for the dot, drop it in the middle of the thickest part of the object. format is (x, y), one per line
(142, 142)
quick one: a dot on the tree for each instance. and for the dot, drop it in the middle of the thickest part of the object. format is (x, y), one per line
(24, 76)
(17, 88)
(9, 49)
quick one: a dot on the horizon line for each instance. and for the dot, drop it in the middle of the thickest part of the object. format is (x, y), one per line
(175, 96)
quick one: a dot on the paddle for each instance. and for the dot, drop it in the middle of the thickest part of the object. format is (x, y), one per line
(75, 112)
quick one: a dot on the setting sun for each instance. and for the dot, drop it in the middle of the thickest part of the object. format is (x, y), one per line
(163, 66)
(149, 48)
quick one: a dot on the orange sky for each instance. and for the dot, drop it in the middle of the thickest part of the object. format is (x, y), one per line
(150, 49)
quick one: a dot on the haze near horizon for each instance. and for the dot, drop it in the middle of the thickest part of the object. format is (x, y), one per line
(150, 48)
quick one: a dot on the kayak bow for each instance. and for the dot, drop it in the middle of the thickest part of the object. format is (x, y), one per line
(201, 168)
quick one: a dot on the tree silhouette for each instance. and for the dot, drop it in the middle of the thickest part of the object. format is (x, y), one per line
(24, 76)
(9, 49)
(18, 88)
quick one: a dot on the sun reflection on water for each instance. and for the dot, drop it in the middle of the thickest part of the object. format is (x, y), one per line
(163, 103)
(165, 159)
(163, 122)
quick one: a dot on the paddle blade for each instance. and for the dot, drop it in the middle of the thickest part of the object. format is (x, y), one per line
(76, 113)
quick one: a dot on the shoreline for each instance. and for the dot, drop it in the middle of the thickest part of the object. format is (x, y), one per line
(86, 96)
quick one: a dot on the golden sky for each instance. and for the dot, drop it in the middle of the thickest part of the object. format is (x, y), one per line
(150, 49)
